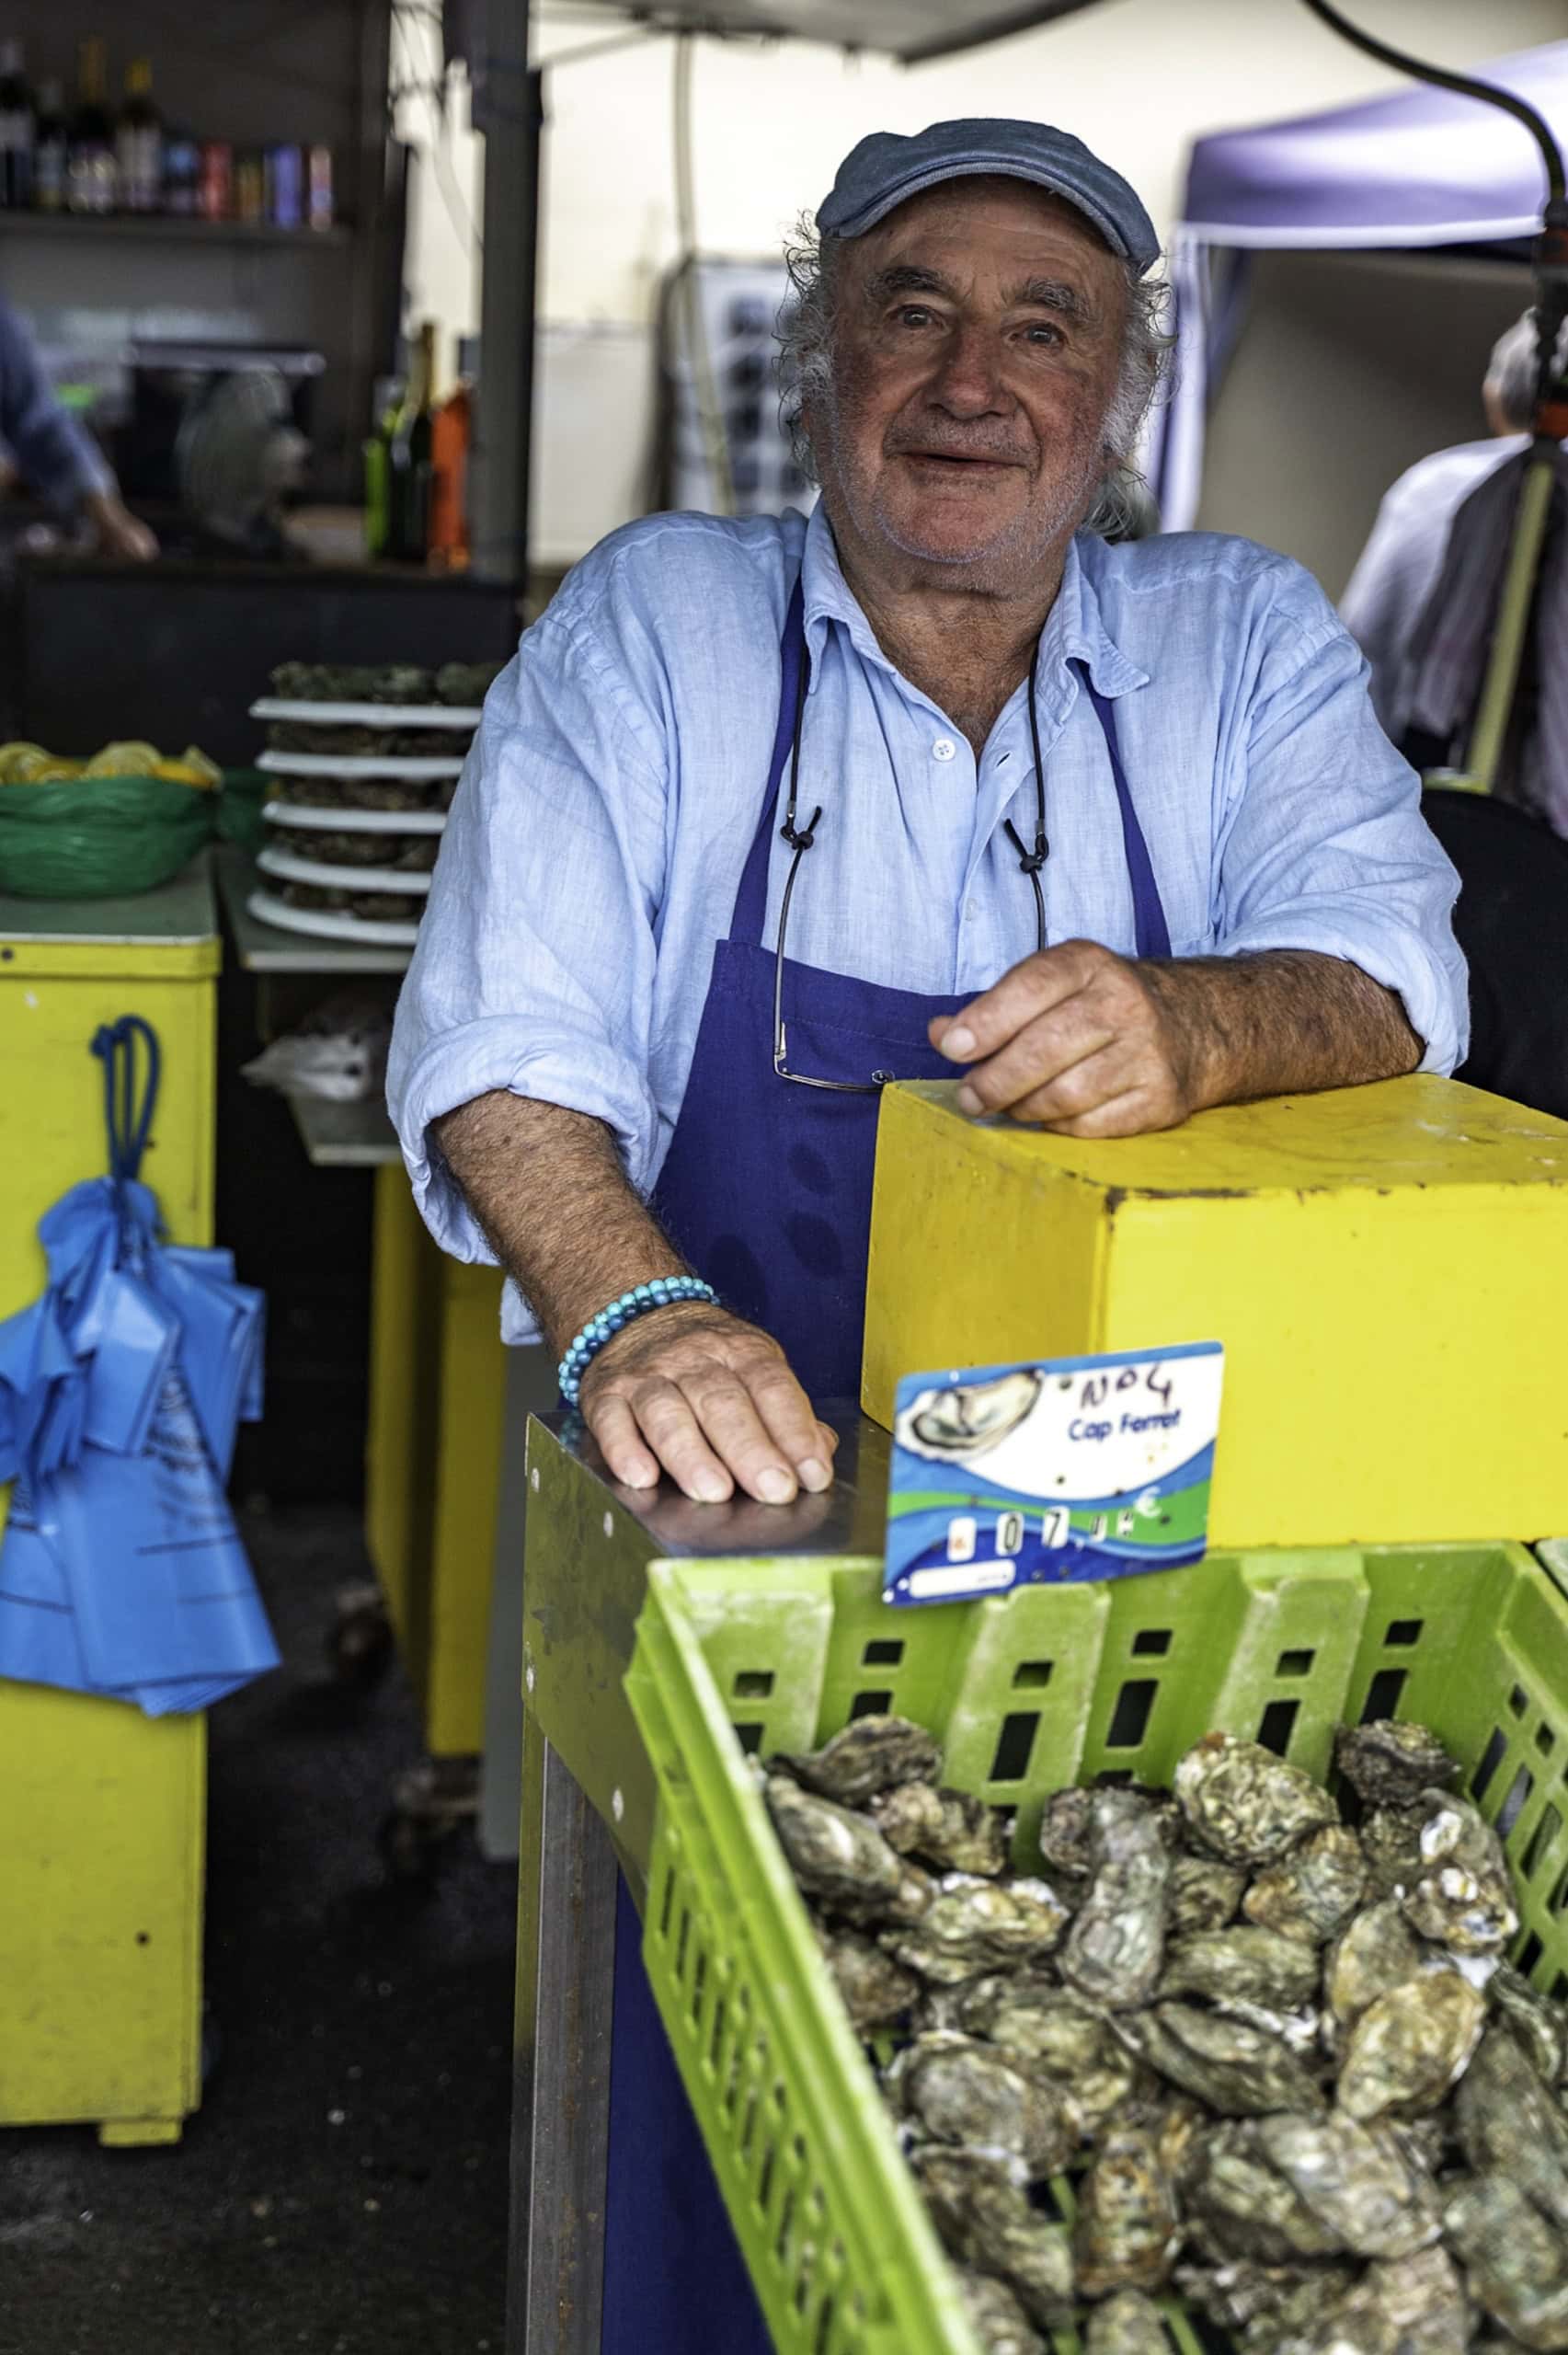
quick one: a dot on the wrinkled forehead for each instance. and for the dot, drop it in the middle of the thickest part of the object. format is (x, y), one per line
(985, 227)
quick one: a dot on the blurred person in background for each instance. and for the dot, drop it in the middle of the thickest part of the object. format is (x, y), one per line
(1401, 562)
(56, 456)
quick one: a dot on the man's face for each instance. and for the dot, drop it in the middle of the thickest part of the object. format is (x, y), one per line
(977, 346)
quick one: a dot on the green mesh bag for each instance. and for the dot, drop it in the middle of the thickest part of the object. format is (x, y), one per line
(97, 837)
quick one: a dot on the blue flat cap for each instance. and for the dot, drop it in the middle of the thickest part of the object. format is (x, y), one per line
(886, 168)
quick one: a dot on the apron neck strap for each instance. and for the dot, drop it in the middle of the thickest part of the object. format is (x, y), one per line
(752, 898)
(1151, 931)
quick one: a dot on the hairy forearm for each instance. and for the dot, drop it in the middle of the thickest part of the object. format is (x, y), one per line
(1282, 1023)
(547, 1188)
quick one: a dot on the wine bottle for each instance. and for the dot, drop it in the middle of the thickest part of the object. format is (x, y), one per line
(139, 143)
(18, 131)
(409, 455)
(90, 168)
(50, 146)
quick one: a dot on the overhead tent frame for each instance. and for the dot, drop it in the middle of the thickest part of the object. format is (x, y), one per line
(1421, 169)
(509, 109)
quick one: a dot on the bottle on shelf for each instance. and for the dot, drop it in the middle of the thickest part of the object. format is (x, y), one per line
(139, 143)
(409, 457)
(50, 150)
(18, 131)
(452, 430)
(377, 454)
(90, 183)
(182, 173)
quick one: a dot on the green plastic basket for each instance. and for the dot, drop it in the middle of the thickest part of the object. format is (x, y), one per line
(99, 838)
(1027, 1693)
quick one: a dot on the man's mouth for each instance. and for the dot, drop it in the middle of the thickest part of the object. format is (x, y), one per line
(944, 461)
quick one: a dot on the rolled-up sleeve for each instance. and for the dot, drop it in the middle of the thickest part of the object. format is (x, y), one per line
(1325, 846)
(533, 971)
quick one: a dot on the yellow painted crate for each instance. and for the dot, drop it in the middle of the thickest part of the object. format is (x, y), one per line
(102, 1834)
(1387, 1267)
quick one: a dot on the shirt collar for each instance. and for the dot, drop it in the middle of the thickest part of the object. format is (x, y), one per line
(1074, 631)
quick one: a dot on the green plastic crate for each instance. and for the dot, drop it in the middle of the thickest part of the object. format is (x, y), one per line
(1028, 1692)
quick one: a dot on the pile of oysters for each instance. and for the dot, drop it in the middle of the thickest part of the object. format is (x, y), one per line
(1224, 2044)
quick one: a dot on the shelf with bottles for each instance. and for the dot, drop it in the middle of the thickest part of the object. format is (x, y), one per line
(90, 167)
(67, 225)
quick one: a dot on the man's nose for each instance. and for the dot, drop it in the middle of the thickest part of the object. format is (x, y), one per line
(969, 381)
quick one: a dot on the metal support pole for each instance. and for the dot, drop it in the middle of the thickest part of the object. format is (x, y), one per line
(513, 119)
(565, 1956)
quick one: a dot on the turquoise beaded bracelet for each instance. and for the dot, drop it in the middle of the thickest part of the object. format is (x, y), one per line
(660, 1293)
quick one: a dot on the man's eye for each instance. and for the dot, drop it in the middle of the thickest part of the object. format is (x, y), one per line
(914, 315)
(1043, 333)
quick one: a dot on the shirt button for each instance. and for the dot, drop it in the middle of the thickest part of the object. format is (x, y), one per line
(944, 749)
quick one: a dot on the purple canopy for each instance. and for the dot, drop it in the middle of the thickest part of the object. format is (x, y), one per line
(1418, 167)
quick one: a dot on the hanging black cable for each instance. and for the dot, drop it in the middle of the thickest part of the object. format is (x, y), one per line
(1464, 84)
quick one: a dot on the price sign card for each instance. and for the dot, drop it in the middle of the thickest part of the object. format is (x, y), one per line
(1068, 1468)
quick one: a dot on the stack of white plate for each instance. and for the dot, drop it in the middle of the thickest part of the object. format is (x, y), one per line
(287, 862)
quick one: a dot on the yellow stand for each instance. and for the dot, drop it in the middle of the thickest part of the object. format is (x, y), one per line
(432, 1472)
(1387, 1267)
(102, 1829)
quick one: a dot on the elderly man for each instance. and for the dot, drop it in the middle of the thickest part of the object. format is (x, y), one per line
(767, 812)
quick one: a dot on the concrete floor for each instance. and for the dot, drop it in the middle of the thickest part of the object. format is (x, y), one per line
(342, 2190)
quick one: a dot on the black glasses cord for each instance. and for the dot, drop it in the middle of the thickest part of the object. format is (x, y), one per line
(800, 838)
(1031, 861)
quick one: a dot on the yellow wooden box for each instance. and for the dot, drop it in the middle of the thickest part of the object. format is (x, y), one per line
(1387, 1267)
(103, 1821)
(433, 1461)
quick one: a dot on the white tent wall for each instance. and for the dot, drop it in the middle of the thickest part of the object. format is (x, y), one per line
(1348, 369)
(1138, 79)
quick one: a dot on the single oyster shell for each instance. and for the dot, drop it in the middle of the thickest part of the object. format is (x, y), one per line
(1268, 2299)
(868, 1755)
(1510, 2124)
(983, 2216)
(1315, 1892)
(1035, 2020)
(1540, 2025)
(1301, 2032)
(1247, 2210)
(1178, 2125)
(1126, 2233)
(1248, 1964)
(964, 2092)
(1205, 1895)
(1128, 2323)
(1388, 1763)
(876, 1991)
(1391, 1842)
(996, 2317)
(833, 1852)
(1410, 2045)
(1246, 1804)
(1405, 2306)
(1464, 1897)
(1516, 2264)
(1115, 1945)
(975, 1926)
(946, 1829)
(1357, 2180)
(1377, 1952)
(1236, 2069)
(1064, 1829)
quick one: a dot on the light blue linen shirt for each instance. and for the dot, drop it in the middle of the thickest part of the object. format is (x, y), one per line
(599, 830)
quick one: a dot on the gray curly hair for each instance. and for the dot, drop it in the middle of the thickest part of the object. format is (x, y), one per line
(806, 368)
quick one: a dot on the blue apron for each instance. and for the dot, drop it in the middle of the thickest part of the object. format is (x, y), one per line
(766, 1189)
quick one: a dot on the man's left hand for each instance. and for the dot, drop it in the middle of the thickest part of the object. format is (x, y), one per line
(1080, 1041)
(116, 531)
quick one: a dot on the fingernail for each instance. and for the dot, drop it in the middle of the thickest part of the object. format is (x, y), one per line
(959, 1044)
(645, 1477)
(713, 1488)
(775, 1488)
(966, 1099)
(815, 1474)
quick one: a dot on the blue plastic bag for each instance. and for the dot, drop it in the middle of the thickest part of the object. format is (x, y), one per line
(121, 1570)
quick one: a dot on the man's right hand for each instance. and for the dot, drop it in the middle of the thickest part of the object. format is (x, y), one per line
(709, 1399)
